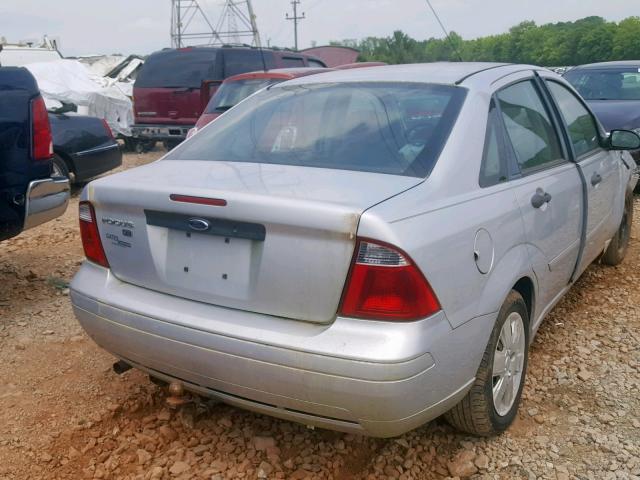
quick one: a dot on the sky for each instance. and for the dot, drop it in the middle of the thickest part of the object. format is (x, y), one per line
(142, 26)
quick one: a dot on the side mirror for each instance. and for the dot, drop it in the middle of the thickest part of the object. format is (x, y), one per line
(624, 140)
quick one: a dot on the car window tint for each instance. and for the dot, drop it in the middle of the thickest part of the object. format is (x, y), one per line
(394, 128)
(243, 61)
(582, 128)
(178, 69)
(292, 62)
(494, 167)
(231, 93)
(614, 83)
(529, 128)
(315, 63)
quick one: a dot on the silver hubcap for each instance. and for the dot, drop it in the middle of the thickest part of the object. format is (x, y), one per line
(508, 361)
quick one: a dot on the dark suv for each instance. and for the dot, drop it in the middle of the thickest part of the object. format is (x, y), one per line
(174, 85)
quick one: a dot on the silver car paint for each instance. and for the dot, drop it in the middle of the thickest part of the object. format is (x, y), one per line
(311, 216)
(314, 373)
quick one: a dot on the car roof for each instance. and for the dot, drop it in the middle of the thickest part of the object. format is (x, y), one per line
(600, 65)
(448, 73)
(281, 73)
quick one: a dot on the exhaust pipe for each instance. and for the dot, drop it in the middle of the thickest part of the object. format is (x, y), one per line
(121, 366)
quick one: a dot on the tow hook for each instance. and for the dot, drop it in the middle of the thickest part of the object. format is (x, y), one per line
(177, 397)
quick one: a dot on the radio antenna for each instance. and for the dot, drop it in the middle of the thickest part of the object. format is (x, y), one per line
(446, 33)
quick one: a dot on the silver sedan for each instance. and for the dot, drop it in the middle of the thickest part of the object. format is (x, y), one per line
(359, 250)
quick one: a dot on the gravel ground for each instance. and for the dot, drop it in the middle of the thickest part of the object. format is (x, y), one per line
(64, 414)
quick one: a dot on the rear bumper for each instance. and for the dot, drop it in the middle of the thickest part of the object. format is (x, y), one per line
(160, 132)
(94, 162)
(377, 378)
(46, 199)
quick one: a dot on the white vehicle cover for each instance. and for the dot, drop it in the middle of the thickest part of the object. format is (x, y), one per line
(70, 81)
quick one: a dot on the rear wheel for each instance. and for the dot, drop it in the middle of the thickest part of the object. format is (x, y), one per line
(59, 167)
(491, 404)
(617, 249)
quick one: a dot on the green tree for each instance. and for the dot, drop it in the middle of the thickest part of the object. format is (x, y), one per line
(590, 39)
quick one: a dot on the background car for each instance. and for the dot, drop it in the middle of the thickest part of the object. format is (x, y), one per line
(612, 90)
(174, 85)
(84, 147)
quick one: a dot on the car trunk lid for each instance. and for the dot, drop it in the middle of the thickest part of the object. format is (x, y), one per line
(275, 239)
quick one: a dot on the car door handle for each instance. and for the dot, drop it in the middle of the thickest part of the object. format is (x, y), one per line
(596, 178)
(540, 198)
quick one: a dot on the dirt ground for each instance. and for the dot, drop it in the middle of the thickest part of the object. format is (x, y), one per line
(65, 414)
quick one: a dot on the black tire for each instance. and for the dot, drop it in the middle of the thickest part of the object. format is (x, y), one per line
(617, 249)
(59, 167)
(476, 413)
(171, 144)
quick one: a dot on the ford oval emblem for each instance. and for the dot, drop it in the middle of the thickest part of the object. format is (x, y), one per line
(199, 224)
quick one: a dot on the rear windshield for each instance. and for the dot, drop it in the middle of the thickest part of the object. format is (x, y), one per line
(393, 128)
(178, 69)
(606, 84)
(231, 93)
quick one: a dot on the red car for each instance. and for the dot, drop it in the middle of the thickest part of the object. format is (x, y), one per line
(235, 89)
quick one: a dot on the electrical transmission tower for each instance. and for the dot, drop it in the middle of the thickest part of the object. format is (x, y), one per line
(190, 25)
(295, 18)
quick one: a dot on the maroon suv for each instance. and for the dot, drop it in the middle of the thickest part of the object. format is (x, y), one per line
(175, 85)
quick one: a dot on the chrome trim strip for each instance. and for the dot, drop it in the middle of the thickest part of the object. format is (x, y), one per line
(96, 150)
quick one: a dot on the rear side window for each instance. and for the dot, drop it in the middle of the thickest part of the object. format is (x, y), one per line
(232, 93)
(292, 62)
(393, 128)
(529, 128)
(580, 124)
(315, 63)
(494, 165)
(245, 60)
(178, 69)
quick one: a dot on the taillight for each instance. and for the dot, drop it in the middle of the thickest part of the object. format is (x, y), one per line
(384, 284)
(90, 236)
(42, 140)
(108, 129)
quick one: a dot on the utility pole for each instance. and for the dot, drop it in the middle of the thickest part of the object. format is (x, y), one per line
(295, 19)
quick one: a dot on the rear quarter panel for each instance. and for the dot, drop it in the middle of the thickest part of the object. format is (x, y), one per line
(436, 224)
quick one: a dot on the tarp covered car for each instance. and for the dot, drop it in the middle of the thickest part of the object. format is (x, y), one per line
(70, 82)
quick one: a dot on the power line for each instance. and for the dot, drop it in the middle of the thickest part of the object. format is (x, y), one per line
(295, 19)
(445, 31)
